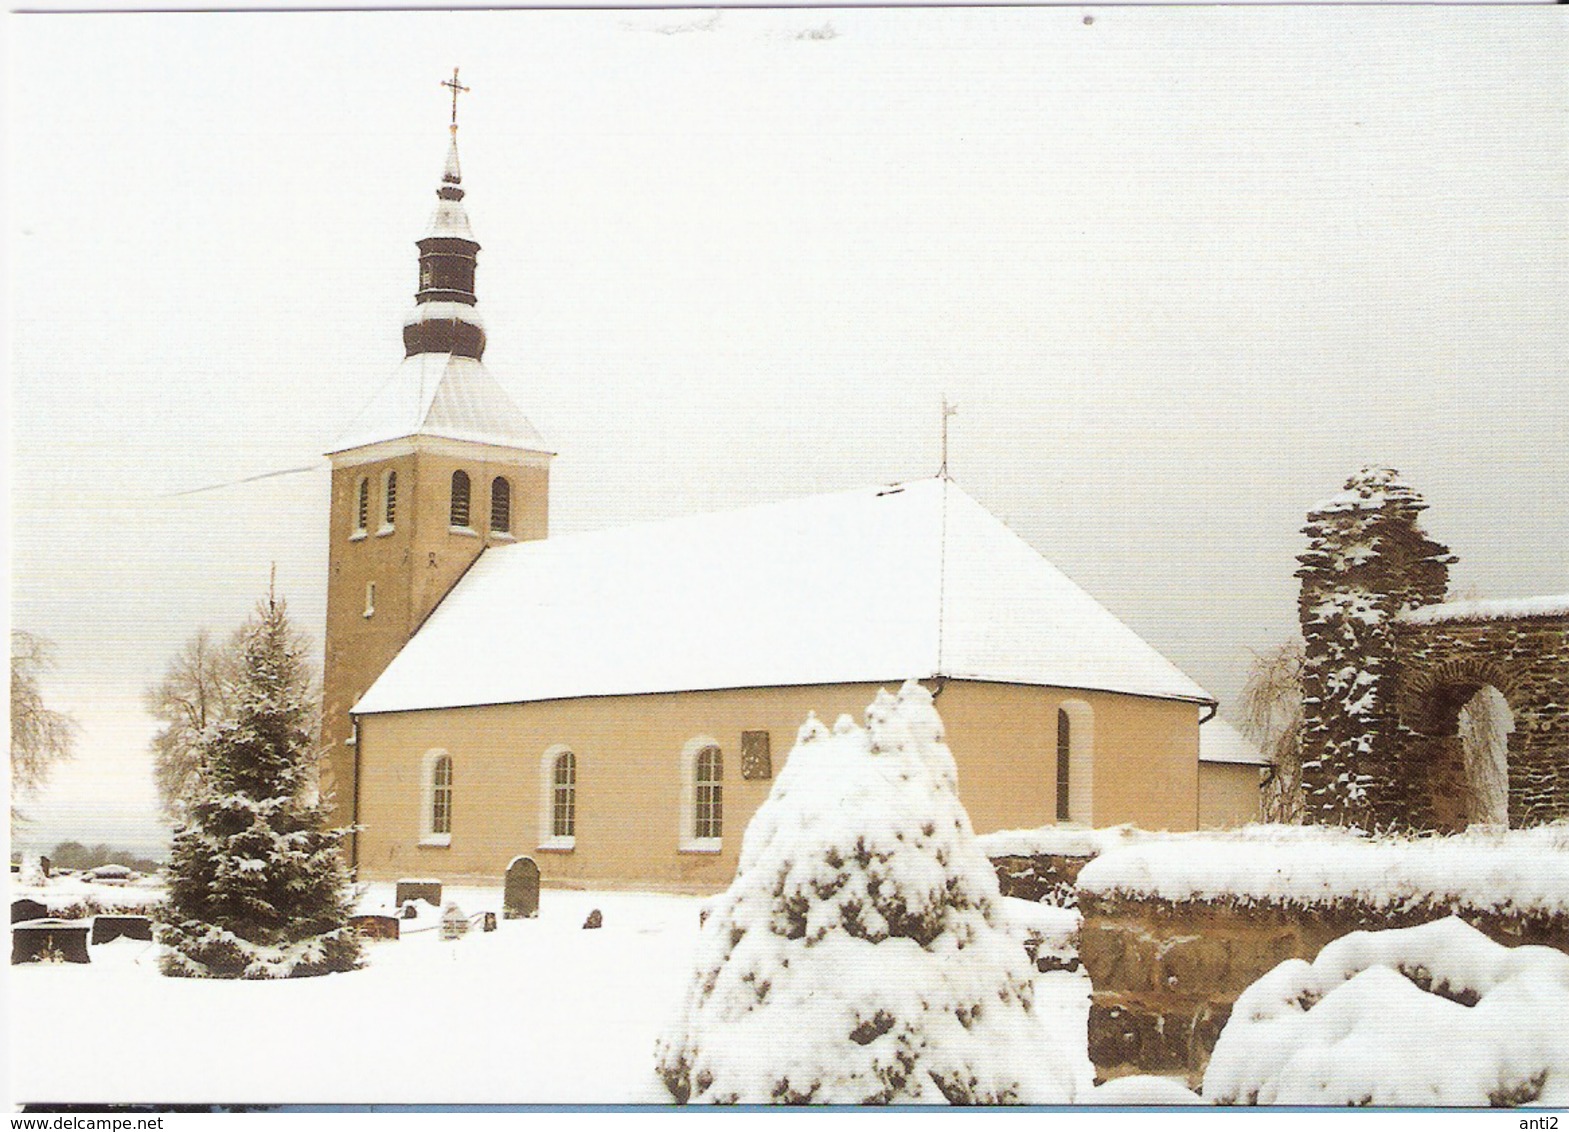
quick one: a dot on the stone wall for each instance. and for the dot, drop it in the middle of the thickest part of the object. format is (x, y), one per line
(1166, 973)
(1444, 661)
(1044, 878)
(1388, 665)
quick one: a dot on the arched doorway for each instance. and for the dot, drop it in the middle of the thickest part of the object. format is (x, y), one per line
(1484, 726)
(1457, 757)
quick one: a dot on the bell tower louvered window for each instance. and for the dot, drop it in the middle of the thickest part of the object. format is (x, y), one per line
(460, 499)
(501, 505)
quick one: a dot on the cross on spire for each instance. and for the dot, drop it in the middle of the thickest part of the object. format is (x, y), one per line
(456, 88)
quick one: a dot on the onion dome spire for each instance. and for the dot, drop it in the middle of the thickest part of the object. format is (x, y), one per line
(444, 319)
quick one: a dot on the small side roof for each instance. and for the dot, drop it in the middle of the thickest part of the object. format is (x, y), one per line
(446, 395)
(1220, 742)
(861, 586)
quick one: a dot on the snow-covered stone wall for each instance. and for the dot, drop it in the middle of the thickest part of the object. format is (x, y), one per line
(1176, 927)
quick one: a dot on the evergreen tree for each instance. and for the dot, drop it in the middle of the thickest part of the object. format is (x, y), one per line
(861, 955)
(258, 888)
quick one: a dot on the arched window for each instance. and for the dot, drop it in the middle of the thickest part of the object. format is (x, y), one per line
(391, 513)
(362, 511)
(500, 505)
(1075, 762)
(563, 796)
(1064, 751)
(436, 803)
(702, 795)
(460, 499)
(558, 798)
(709, 812)
(441, 796)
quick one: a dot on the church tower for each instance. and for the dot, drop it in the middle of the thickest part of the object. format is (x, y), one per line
(441, 464)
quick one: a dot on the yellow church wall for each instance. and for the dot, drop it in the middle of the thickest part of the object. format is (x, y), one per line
(1146, 762)
(629, 774)
(1229, 795)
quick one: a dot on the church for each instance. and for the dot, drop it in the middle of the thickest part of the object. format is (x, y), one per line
(615, 704)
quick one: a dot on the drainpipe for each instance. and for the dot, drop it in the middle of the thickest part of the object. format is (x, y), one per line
(354, 805)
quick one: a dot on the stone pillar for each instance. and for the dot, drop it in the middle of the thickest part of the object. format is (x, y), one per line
(1367, 560)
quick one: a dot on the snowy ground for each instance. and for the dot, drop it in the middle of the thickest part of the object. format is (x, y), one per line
(539, 1011)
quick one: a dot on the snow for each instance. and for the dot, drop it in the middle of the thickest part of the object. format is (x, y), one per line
(1143, 1091)
(861, 955)
(857, 584)
(1044, 930)
(1060, 840)
(538, 1011)
(1363, 1022)
(79, 894)
(442, 395)
(449, 220)
(441, 310)
(1482, 869)
(1371, 488)
(1551, 605)
(1220, 742)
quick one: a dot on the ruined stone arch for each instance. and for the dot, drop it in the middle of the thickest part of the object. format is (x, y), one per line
(1430, 697)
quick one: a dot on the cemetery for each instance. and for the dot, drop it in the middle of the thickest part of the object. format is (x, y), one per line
(1100, 967)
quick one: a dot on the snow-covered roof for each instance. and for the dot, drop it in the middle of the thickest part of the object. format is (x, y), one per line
(445, 395)
(862, 586)
(1550, 605)
(449, 220)
(1219, 742)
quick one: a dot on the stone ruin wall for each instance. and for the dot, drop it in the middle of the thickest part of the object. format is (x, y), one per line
(1383, 684)
(1526, 657)
(1166, 973)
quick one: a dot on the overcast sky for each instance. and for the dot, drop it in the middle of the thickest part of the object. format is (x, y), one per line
(1183, 270)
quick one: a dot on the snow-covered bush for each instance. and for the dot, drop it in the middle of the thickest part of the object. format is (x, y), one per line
(1144, 1091)
(1435, 1015)
(257, 886)
(860, 955)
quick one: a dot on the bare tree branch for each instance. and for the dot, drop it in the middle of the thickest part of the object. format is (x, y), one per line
(40, 736)
(1271, 716)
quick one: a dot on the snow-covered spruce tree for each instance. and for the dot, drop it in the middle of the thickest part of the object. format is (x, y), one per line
(1367, 560)
(258, 888)
(857, 958)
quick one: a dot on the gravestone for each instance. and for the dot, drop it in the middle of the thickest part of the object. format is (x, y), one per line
(375, 926)
(454, 924)
(520, 898)
(595, 920)
(427, 890)
(409, 911)
(106, 928)
(489, 922)
(40, 941)
(45, 864)
(26, 909)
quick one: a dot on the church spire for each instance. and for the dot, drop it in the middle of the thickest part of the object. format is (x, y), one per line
(444, 320)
